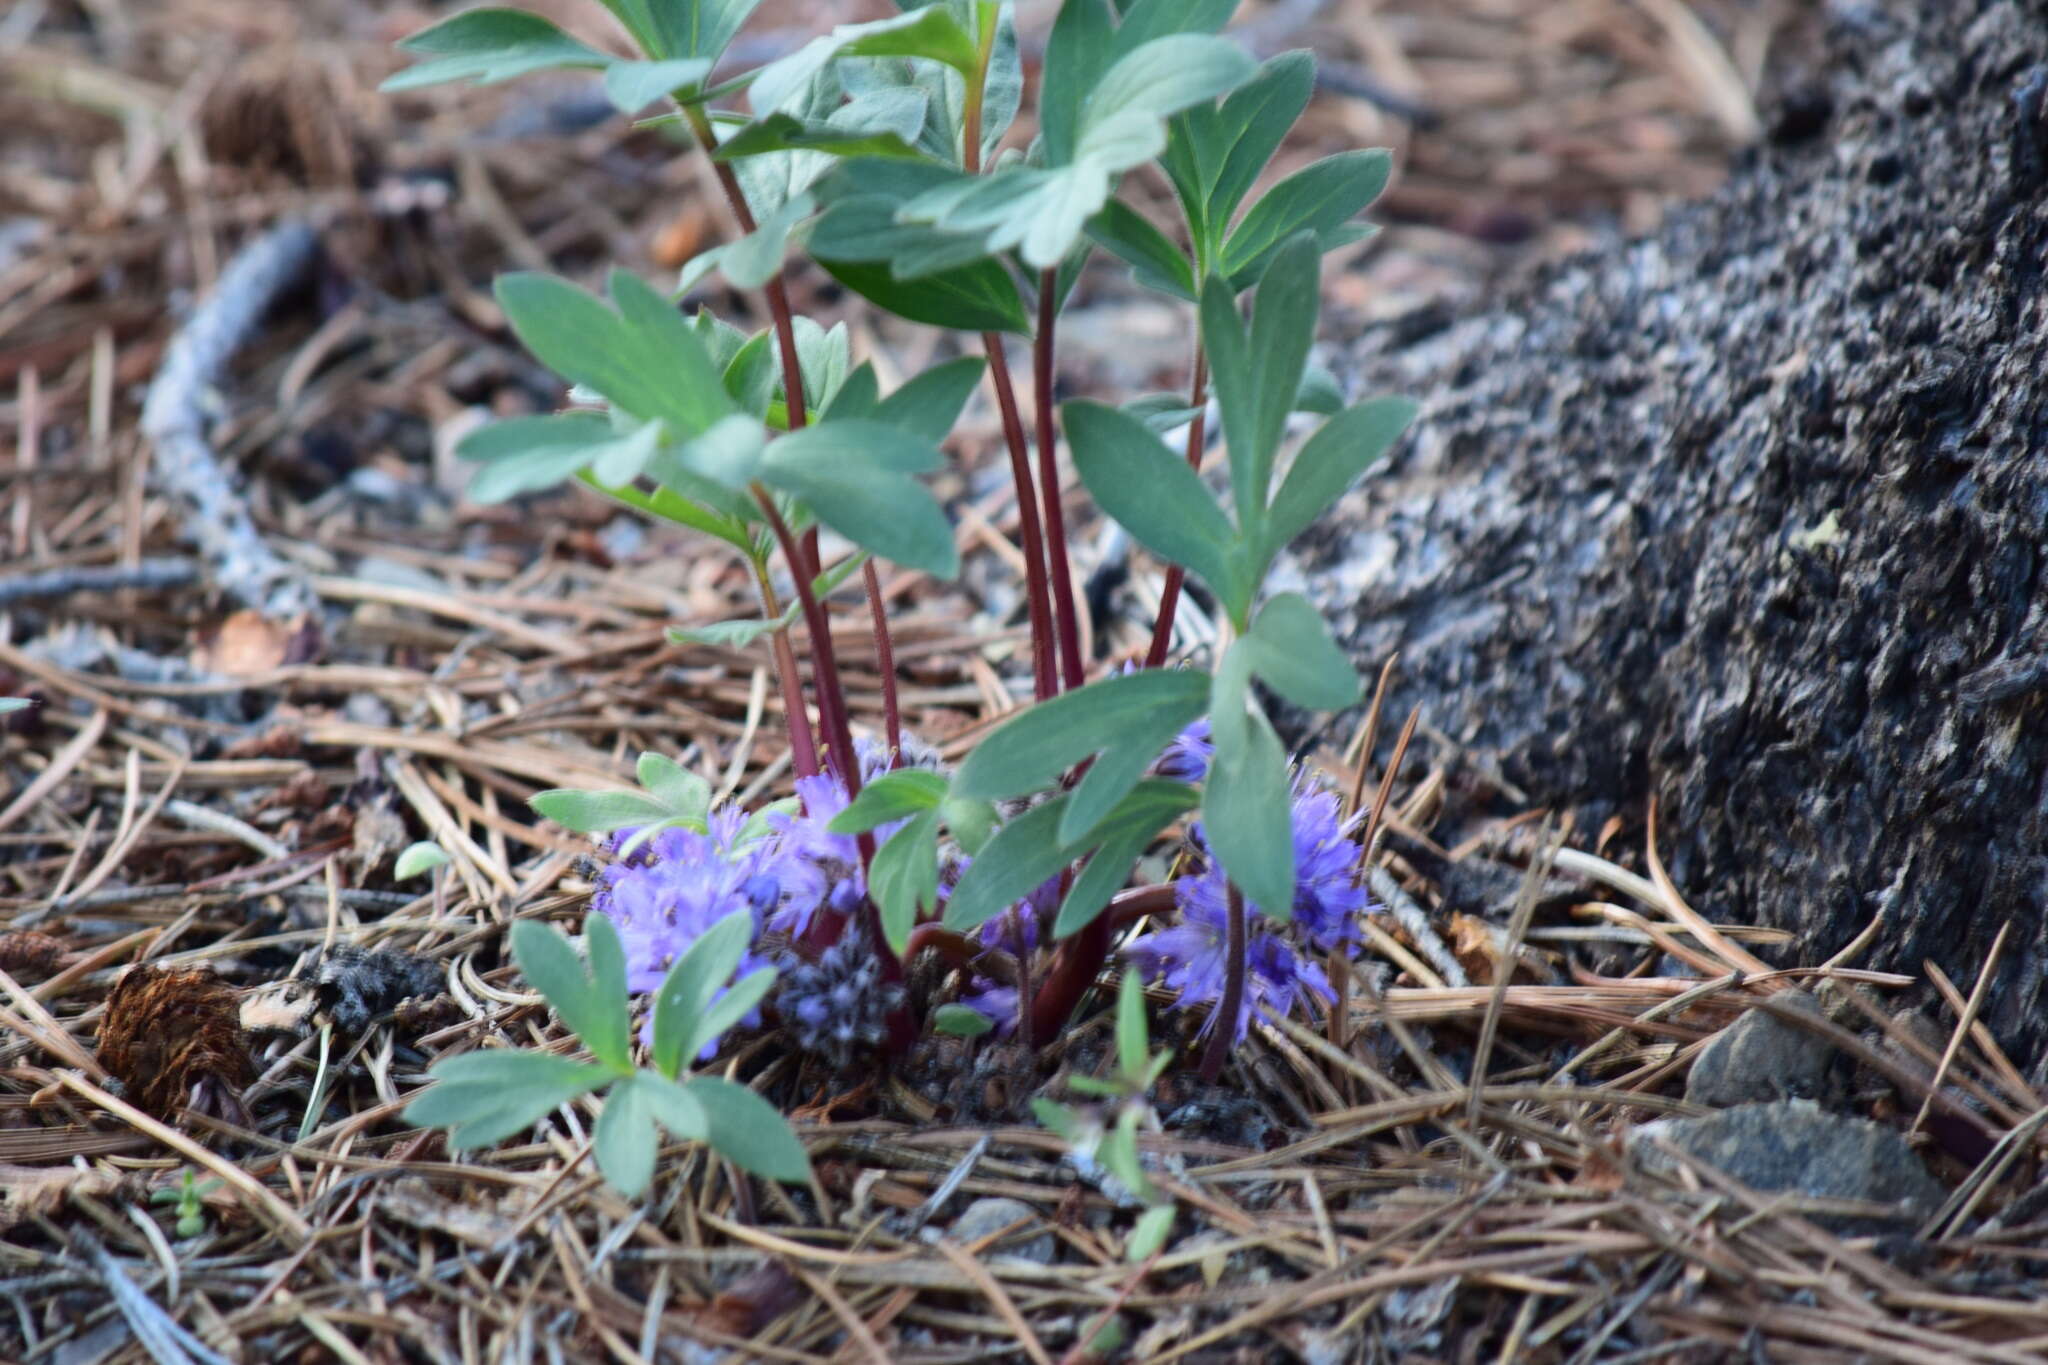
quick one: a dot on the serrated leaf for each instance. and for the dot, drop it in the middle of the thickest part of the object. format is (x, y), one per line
(686, 992)
(890, 797)
(1330, 461)
(747, 1131)
(588, 812)
(424, 856)
(1292, 653)
(1152, 493)
(632, 86)
(961, 1021)
(1156, 263)
(625, 1140)
(1320, 198)
(1030, 751)
(592, 1003)
(484, 46)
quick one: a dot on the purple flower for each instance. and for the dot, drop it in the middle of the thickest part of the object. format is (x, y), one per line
(1191, 955)
(672, 887)
(997, 1003)
(838, 1005)
(822, 868)
(1187, 758)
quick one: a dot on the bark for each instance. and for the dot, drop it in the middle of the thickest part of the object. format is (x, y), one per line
(1750, 514)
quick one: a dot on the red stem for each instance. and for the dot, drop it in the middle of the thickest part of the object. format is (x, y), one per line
(885, 661)
(1223, 1025)
(825, 666)
(1071, 663)
(1169, 599)
(1028, 532)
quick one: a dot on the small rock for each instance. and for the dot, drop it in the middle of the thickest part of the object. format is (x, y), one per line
(1760, 1057)
(1795, 1146)
(985, 1217)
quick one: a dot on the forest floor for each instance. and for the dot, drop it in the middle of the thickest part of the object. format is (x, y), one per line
(1452, 1164)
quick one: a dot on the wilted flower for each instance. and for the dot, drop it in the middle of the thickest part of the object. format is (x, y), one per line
(838, 1004)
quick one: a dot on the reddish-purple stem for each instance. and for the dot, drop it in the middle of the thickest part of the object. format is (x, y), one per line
(1072, 666)
(1169, 597)
(1223, 1025)
(1029, 534)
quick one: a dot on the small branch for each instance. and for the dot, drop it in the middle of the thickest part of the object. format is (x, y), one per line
(153, 574)
(1169, 598)
(174, 418)
(1028, 530)
(1224, 1023)
(1072, 666)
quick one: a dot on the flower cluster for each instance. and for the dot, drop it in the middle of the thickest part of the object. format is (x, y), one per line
(1191, 956)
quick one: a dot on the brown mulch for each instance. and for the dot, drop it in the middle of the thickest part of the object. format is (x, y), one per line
(206, 789)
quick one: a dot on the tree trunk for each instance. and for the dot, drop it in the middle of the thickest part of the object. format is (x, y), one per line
(1750, 515)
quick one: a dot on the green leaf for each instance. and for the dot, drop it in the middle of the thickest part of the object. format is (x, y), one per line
(424, 856)
(1077, 52)
(1023, 854)
(929, 405)
(589, 812)
(904, 877)
(1031, 751)
(1319, 392)
(787, 133)
(739, 1000)
(645, 357)
(672, 505)
(1258, 376)
(1330, 461)
(858, 399)
(592, 1003)
(1291, 651)
(972, 822)
(931, 33)
(1133, 1039)
(1149, 19)
(1156, 263)
(632, 86)
(687, 991)
(855, 477)
(890, 797)
(675, 1108)
(1250, 126)
(682, 791)
(733, 634)
(747, 1131)
(977, 298)
(484, 1097)
(1320, 198)
(682, 28)
(961, 1021)
(1152, 493)
(1152, 81)
(1153, 1227)
(1124, 836)
(489, 45)
(625, 1140)
(1246, 812)
(756, 258)
(528, 454)
(1160, 412)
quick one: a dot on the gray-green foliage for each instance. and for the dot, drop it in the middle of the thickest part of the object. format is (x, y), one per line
(487, 1095)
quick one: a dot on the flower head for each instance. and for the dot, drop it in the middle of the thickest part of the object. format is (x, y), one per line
(823, 869)
(1187, 758)
(838, 1004)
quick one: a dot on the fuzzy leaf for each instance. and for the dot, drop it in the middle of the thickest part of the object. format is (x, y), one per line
(625, 1140)
(1292, 652)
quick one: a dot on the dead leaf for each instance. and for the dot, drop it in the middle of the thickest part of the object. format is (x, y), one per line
(26, 1191)
(417, 1204)
(245, 644)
